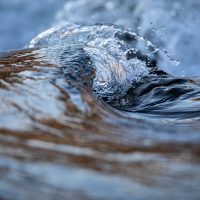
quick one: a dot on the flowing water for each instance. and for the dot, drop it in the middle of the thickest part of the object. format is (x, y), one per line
(103, 111)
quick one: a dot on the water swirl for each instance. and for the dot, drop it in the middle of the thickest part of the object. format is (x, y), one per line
(95, 111)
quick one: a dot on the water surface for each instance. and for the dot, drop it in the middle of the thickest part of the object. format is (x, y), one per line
(102, 111)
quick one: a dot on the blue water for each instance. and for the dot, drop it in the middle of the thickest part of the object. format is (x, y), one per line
(99, 111)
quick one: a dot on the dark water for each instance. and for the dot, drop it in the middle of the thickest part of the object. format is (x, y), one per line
(103, 111)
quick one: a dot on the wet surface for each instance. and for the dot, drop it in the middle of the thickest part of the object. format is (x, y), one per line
(87, 112)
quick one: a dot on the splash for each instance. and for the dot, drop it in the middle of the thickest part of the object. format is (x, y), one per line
(87, 112)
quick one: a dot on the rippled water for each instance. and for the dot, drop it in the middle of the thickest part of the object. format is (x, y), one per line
(102, 111)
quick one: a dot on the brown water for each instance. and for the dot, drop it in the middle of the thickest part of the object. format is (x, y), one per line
(87, 112)
(60, 142)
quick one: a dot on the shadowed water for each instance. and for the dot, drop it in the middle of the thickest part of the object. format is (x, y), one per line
(87, 112)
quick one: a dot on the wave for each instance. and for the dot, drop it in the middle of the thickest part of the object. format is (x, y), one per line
(124, 67)
(93, 105)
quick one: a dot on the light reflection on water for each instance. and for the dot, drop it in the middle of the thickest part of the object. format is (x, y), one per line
(60, 142)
